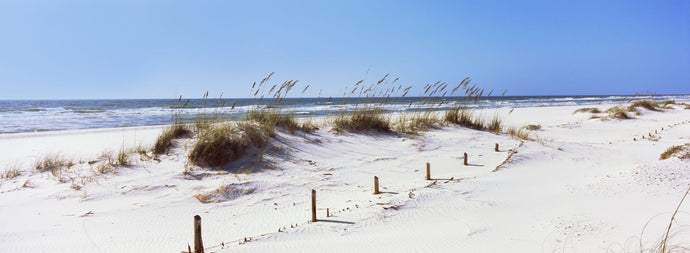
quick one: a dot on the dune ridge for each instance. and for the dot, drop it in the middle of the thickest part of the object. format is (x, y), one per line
(579, 184)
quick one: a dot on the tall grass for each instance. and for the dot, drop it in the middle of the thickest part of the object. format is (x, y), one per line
(666, 246)
(494, 125)
(364, 119)
(177, 129)
(416, 123)
(270, 114)
(226, 142)
(368, 113)
(165, 140)
(219, 143)
(465, 117)
(269, 119)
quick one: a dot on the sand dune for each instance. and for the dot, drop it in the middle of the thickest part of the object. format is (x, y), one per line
(583, 185)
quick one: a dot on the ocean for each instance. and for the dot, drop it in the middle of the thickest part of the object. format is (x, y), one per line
(17, 116)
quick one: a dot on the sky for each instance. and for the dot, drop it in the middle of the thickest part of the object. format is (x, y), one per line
(101, 49)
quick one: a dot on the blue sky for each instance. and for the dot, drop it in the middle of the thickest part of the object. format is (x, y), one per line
(163, 49)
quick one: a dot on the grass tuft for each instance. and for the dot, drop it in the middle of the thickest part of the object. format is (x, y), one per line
(649, 105)
(617, 112)
(494, 126)
(532, 127)
(107, 165)
(164, 141)
(226, 193)
(11, 173)
(271, 118)
(308, 126)
(50, 162)
(675, 150)
(122, 158)
(362, 120)
(464, 117)
(143, 152)
(228, 142)
(267, 119)
(414, 124)
(587, 110)
(520, 134)
(667, 104)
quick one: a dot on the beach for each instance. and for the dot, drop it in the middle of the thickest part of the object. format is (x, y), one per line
(577, 183)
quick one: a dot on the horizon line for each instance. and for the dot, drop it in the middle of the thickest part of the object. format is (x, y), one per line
(340, 97)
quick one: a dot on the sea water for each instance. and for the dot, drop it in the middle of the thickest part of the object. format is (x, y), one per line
(51, 115)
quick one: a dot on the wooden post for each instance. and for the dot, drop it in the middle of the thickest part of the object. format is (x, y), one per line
(376, 185)
(465, 159)
(428, 171)
(198, 244)
(496, 147)
(313, 205)
(328, 213)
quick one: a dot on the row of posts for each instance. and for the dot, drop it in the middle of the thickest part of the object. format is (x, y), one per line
(199, 245)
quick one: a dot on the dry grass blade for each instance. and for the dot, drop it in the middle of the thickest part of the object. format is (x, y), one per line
(670, 223)
(510, 155)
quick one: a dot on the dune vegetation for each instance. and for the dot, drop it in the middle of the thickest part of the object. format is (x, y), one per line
(218, 141)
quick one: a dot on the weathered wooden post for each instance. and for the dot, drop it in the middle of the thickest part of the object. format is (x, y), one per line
(198, 243)
(428, 171)
(376, 185)
(496, 147)
(328, 212)
(313, 205)
(465, 159)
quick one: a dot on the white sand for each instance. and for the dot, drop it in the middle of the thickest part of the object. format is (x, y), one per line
(584, 186)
